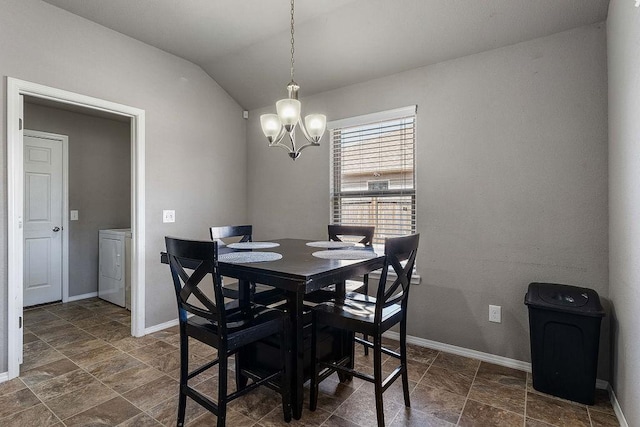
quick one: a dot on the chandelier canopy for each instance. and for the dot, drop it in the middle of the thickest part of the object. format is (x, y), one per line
(277, 126)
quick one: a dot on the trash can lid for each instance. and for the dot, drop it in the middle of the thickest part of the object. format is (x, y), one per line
(564, 298)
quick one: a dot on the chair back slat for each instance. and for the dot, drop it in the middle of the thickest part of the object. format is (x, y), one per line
(243, 231)
(401, 256)
(337, 232)
(201, 257)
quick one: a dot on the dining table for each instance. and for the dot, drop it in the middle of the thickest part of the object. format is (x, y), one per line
(302, 269)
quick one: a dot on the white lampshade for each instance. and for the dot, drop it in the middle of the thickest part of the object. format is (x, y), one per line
(289, 112)
(315, 125)
(270, 126)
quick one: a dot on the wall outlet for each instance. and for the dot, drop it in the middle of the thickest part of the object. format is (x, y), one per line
(168, 216)
(73, 215)
(495, 313)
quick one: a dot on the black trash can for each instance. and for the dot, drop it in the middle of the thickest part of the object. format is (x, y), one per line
(564, 324)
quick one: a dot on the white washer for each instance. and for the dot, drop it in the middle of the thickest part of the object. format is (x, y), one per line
(114, 269)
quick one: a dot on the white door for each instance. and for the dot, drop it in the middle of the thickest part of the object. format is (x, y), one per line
(42, 220)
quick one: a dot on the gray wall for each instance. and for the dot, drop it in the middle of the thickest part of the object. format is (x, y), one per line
(195, 134)
(511, 181)
(623, 36)
(99, 183)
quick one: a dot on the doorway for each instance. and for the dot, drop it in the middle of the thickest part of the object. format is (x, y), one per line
(16, 90)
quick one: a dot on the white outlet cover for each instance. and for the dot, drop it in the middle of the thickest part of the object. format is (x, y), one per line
(73, 215)
(168, 216)
(495, 313)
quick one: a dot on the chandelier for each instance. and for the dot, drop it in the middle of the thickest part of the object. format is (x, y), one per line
(277, 126)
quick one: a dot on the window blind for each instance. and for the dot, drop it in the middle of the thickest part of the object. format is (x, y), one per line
(373, 173)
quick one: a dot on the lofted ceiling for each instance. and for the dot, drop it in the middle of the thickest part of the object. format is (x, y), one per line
(244, 44)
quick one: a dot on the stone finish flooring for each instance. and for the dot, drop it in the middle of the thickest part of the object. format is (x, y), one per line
(82, 368)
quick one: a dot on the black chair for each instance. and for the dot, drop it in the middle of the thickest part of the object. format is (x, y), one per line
(262, 294)
(337, 233)
(226, 328)
(371, 316)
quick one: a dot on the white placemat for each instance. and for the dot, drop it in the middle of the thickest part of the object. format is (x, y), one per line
(329, 244)
(243, 257)
(345, 254)
(253, 245)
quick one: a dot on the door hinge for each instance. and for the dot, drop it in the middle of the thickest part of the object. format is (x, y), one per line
(20, 322)
(19, 124)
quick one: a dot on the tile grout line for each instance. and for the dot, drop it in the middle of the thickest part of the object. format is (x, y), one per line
(429, 364)
(73, 391)
(466, 399)
(43, 402)
(142, 411)
(118, 394)
(32, 406)
(418, 382)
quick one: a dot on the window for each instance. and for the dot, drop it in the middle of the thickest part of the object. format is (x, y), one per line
(373, 172)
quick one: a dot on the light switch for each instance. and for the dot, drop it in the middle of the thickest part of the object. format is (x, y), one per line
(73, 216)
(168, 216)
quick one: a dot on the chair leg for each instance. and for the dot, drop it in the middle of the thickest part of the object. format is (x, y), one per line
(241, 380)
(366, 292)
(313, 400)
(285, 353)
(366, 349)
(403, 361)
(377, 375)
(184, 373)
(222, 386)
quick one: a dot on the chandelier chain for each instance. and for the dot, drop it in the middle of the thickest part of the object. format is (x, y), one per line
(276, 126)
(292, 40)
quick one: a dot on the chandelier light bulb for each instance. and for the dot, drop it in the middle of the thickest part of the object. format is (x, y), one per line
(270, 126)
(316, 125)
(288, 112)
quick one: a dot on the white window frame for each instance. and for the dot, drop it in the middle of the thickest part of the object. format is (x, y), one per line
(365, 120)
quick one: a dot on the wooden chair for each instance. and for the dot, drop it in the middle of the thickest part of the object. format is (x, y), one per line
(226, 328)
(371, 316)
(259, 293)
(337, 233)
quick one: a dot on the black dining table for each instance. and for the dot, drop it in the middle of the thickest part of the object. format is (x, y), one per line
(296, 274)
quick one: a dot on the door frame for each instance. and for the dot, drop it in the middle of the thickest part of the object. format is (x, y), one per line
(65, 201)
(15, 204)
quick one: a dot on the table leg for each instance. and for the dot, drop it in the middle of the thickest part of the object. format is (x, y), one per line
(244, 293)
(295, 307)
(244, 299)
(341, 290)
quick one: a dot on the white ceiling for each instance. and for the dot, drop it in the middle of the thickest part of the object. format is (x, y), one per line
(244, 44)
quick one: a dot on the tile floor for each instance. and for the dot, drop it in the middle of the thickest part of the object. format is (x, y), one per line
(81, 368)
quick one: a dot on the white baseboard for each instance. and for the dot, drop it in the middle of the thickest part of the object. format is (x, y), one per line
(4, 376)
(461, 351)
(83, 296)
(161, 326)
(616, 408)
(474, 354)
